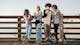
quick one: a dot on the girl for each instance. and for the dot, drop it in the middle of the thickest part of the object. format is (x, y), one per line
(28, 20)
(47, 20)
(38, 17)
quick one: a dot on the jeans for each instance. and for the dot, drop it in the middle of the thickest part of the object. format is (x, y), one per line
(38, 33)
(56, 30)
(28, 30)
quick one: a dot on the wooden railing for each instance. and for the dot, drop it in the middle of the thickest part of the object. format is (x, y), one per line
(19, 27)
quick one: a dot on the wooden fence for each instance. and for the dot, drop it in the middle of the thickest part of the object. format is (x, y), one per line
(19, 27)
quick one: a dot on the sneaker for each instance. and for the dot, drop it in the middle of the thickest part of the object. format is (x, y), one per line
(24, 38)
(55, 41)
(65, 41)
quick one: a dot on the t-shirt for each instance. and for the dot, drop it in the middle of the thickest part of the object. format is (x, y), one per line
(28, 19)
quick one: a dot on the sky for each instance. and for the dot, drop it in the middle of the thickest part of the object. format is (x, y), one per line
(16, 7)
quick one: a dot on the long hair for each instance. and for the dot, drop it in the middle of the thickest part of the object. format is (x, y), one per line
(38, 7)
(27, 12)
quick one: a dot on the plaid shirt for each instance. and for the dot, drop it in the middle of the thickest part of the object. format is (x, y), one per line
(58, 18)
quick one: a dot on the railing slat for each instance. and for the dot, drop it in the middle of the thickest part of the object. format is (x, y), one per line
(9, 22)
(9, 16)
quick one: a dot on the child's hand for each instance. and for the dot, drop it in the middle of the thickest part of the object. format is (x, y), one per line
(60, 28)
(53, 13)
(30, 18)
(47, 12)
(49, 25)
(23, 20)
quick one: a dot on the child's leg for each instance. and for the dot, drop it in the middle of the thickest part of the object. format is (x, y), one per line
(26, 27)
(47, 31)
(61, 33)
(38, 34)
(29, 30)
(62, 36)
(56, 30)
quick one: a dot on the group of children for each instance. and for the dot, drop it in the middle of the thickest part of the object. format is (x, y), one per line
(50, 16)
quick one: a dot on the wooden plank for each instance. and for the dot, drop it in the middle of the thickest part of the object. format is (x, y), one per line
(8, 27)
(63, 22)
(71, 16)
(71, 22)
(8, 38)
(34, 22)
(9, 22)
(53, 28)
(10, 16)
(8, 32)
(34, 33)
(57, 33)
(35, 28)
(33, 16)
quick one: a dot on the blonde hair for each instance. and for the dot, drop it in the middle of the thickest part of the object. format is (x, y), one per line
(38, 7)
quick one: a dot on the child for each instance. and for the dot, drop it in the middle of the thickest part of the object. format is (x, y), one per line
(58, 22)
(28, 20)
(47, 20)
(38, 17)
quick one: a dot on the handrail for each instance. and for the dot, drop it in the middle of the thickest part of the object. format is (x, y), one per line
(22, 16)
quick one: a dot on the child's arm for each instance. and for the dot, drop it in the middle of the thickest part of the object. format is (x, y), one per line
(52, 16)
(30, 17)
(40, 17)
(23, 19)
(44, 15)
(35, 16)
(60, 19)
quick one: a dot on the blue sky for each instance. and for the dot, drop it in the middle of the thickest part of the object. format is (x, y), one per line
(16, 7)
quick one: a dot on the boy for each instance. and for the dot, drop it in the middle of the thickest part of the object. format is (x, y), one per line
(47, 20)
(58, 22)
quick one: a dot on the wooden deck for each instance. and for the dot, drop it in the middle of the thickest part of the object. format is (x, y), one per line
(30, 43)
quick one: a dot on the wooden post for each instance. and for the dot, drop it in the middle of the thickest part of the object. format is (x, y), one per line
(19, 29)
